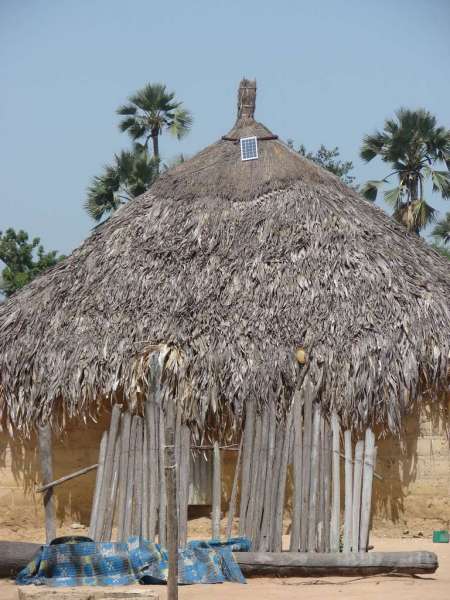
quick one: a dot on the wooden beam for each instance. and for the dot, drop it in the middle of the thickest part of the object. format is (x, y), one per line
(315, 564)
(46, 460)
(56, 482)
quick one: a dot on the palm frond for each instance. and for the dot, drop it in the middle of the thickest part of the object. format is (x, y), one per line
(371, 188)
(442, 229)
(393, 196)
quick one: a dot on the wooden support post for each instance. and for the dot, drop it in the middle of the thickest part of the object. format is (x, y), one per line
(327, 484)
(98, 484)
(123, 473)
(216, 492)
(145, 483)
(297, 471)
(348, 491)
(153, 461)
(138, 479)
(307, 436)
(184, 468)
(366, 499)
(128, 521)
(253, 487)
(234, 490)
(260, 479)
(264, 543)
(162, 483)
(247, 452)
(336, 489)
(357, 478)
(45, 456)
(314, 483)
(277, 535)
(111, 499)
(107, 471)
(171, 489)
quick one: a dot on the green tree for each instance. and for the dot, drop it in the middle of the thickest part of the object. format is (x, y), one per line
(413, 145)
(442, 230)
(24, 260)
(150, 111)
(328, 159)
(130, 175)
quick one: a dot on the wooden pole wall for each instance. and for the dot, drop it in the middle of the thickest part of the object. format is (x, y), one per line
(46, 460)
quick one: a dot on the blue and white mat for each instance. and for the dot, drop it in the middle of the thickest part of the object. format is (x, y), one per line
(138, 560)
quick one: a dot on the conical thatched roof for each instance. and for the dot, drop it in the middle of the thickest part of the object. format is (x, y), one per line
(233, 266)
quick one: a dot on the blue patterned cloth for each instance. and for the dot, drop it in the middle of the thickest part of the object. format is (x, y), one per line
(138, 560)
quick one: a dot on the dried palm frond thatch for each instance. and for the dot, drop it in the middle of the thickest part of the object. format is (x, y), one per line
(249, 274)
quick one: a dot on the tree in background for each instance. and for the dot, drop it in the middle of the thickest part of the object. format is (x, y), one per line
(442, 230)
(412, 144)
(328, 159)
(130, 175)
(24, 260)
(150, 111)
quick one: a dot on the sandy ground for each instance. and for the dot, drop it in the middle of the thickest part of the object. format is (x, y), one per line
(425, 587)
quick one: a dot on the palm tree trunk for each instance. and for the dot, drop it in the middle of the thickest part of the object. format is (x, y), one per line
(155, 142)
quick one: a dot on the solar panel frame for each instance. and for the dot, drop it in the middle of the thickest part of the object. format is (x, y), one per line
(249, 148)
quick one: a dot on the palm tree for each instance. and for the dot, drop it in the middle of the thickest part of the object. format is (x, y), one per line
(442, 230)
(412, 144)
(152, 110)
(131, 174)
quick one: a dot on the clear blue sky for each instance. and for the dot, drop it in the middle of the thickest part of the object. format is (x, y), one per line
(328, 71)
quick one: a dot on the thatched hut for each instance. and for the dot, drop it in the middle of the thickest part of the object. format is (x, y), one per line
(254, 276)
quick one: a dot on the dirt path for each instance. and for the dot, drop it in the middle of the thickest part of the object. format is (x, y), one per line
(432, 587)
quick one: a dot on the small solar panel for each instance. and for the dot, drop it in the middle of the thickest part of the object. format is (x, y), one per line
(249, 148)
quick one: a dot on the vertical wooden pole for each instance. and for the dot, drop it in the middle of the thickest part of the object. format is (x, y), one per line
(171, 489)
(321, 501)
(327, 484)
(255, 456)
(107, 471)
(247, 452)
(153, 461)
(98, 484)
(314, 483)
(234, 490)
(145, 483)
(297, 471)
(123, 473)
(184, 468)
(366, 499)
(46, 460)
(357, 478)
(111, 499)
(279, 497)
(138, 479)
(348, 491)
(267, 510)
(260, 480)
(216, 492)
(336, 489)
(162, 484)
(307, 435)
(128, 521)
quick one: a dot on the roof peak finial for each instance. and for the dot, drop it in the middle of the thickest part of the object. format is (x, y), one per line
(246, 99)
